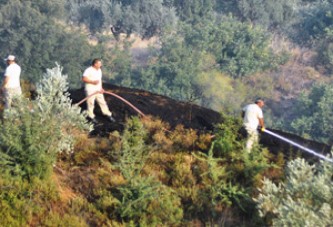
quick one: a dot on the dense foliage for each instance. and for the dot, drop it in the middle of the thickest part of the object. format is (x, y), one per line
(314, 111)
(146, 175)
(219, 54)
(38, 41)
(34, 132)
(267, 13)
(144, 17)
(304, 199)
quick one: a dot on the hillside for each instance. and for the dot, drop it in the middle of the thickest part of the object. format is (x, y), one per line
(180, 113)
(189, 67)
(167, 109)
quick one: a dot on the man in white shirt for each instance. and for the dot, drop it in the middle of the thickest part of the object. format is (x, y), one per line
(11, 86)
(252, 118)
(92, 77)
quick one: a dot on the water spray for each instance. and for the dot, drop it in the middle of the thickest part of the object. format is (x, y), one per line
(263, 129)
(298, 145)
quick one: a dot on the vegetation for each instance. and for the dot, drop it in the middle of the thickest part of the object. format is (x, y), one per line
(144, 176)
(218, 54)
(38, 40)
(304, 199)
(316, 113)
(146, 18)
(34, 132)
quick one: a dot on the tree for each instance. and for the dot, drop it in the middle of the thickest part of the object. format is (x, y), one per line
(94, 14)
(267, 13)
(193, 11)
(313, 114)
(174, 73)
(144, 17)
(315, 20)
(38, 41)
(217, 187)
(320, 30)
(121, 65)
(239, 48)
(51, 8)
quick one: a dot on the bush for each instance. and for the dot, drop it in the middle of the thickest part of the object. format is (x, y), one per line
(141, 199)
(34, 132)
(217, 191)
(304, 199)
(21, 200)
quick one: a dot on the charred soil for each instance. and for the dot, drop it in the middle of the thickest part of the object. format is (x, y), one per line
(179, 113)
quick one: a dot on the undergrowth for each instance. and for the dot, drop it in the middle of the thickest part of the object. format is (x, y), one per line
(53, 174)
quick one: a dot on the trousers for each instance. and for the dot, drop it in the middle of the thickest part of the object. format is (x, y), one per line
(252, 138)
(10, 94)
(99, 98)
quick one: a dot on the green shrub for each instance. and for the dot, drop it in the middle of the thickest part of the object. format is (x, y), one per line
(55, 219)
(141, 199)
(34, 132)
(85, 213)
(304, 199)
(21, 201)
(218, 189)
(228, 174)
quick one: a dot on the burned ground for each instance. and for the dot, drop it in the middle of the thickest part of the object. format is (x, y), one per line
(175, 112)
(167, 109)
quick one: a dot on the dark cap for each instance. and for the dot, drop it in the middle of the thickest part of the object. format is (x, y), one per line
(257, 100)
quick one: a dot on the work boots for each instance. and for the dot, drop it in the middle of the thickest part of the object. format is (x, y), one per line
(111, 119)
(92, 120)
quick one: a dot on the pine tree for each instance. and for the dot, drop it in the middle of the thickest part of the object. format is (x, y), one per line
(142, 199)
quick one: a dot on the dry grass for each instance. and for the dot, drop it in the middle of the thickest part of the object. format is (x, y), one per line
(66, 194)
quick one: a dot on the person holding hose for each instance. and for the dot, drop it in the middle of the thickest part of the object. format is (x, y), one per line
(92, 77)
(11, 86)
(252, 119)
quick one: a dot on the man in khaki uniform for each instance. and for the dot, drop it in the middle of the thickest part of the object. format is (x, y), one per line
(92, 77)
(252, 118)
